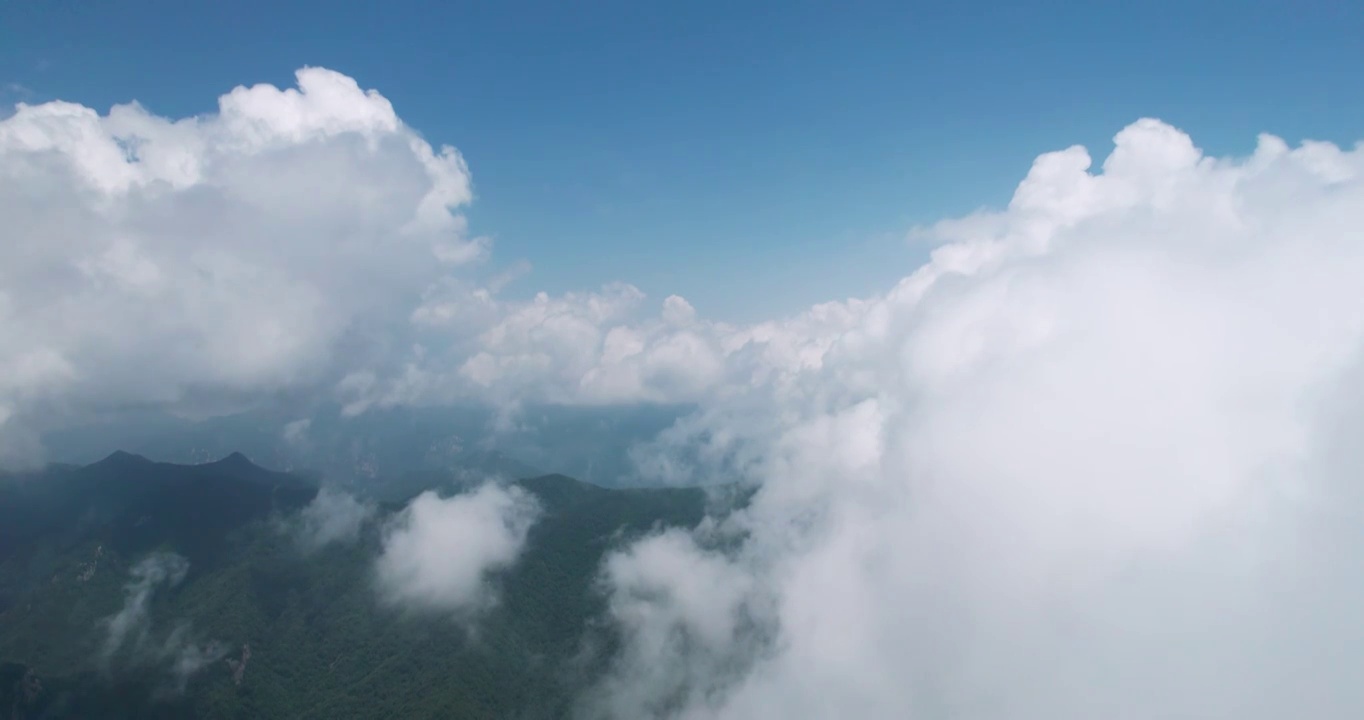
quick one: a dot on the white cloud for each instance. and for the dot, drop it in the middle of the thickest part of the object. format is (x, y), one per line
(296, 242)
(1092, 459)
(440, 553)
(333, 516)
(208, 261)
(597, 348)
(578, 348)
(679, 637)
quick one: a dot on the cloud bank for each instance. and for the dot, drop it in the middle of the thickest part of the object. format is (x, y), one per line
(299, 243)
(440, 553)
(1095, 459)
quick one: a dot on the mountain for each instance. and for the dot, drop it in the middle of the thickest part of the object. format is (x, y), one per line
(131, 503)
(385, 444)
(133, 588)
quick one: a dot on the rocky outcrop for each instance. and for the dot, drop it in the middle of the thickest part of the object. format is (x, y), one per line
(88, 569)
(238, 665)
(25, 693)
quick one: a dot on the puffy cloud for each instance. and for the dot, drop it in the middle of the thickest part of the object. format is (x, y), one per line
(333, 516)
(593, 348)
(1094, 455)
(440, 553)
(300, 242)
(204, 262)
(679, 638)
(597, 348)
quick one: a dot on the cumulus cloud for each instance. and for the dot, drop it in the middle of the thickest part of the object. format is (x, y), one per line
(1093, 459)
(299, 242)
(681, 641)
(595, 348)
(201, 263)
(302, 243)
(440, 553)
(610, 347)
(333, 516)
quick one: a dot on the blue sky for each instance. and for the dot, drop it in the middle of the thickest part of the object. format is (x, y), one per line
(753, 157)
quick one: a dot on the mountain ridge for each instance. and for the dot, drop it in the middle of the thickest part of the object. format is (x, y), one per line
(322, 642)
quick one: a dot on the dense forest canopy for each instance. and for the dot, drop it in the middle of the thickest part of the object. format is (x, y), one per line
(132, 588)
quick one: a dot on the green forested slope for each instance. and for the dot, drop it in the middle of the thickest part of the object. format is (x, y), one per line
(321, 645)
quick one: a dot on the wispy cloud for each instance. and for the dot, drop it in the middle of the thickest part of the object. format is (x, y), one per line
(128, 627)
(130, 636)
(333, 516)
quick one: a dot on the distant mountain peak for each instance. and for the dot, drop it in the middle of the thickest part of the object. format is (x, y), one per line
(121, 458)
(240, 466)
(236, 459)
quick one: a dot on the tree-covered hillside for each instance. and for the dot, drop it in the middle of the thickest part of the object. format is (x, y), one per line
(130, 588)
